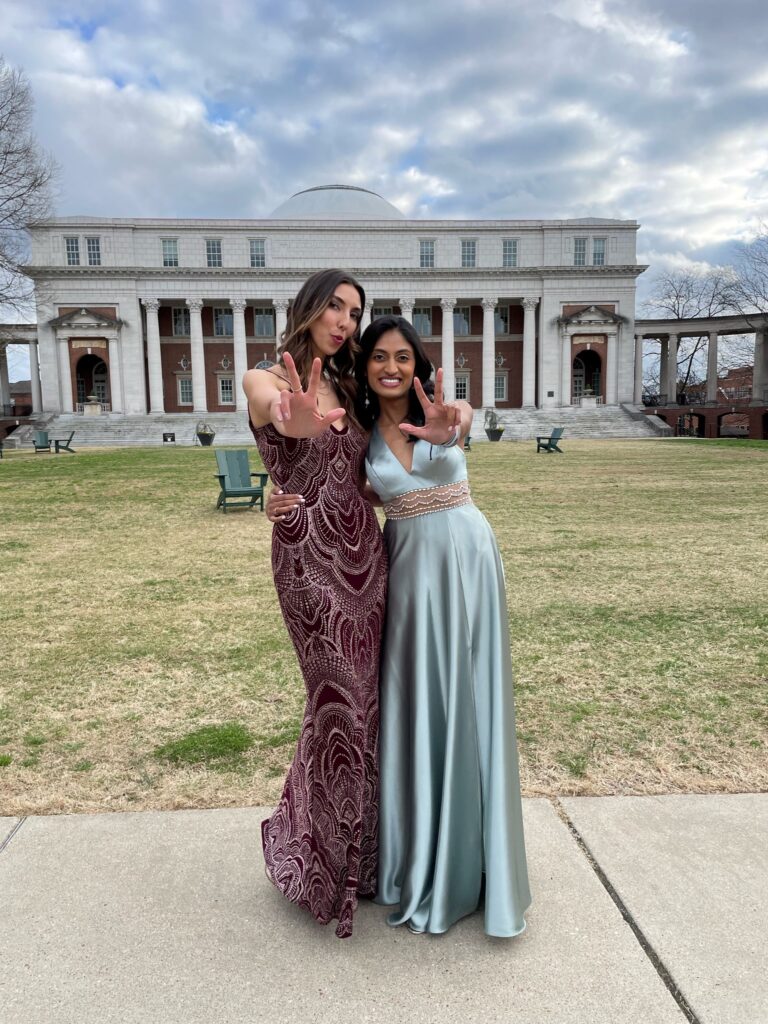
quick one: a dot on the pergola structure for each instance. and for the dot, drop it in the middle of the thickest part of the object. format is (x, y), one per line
(707, 409)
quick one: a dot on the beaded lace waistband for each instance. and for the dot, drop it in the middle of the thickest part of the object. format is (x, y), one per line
(428, 499)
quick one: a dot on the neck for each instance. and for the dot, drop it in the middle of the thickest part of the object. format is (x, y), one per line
(392, 410)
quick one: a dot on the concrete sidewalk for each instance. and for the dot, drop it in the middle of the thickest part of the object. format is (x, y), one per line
(647, 910)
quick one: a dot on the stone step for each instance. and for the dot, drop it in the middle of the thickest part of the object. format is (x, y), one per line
(113, 430)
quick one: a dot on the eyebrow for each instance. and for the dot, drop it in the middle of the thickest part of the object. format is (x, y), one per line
(398, 352)
(355, 309)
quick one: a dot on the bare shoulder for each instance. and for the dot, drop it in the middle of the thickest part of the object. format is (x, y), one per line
(261, 388)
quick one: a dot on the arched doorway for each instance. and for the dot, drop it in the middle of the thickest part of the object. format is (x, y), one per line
(587, 373)
(92, 378)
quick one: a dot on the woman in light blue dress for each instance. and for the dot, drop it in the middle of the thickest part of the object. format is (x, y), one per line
(450, 819)
(450, 813)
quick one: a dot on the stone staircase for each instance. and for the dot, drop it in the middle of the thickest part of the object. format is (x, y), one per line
(116, 431)
(599, 423)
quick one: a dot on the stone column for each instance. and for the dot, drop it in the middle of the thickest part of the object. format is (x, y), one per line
(760, 369)
(529, 353)
(115, 375)
(5, 384)
(637, 396)
(566, 368)
(489, 353)
(406, 309)
(199, 399)
(712, 369)
(65, 376)
(34, 373)
(365, 319)
(663, 349)
(671, 370)
(611, 370)
(241, 351)
(281, 321)
(446, 354)
(154, 361)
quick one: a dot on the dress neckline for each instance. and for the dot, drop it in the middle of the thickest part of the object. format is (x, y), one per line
(408, 472)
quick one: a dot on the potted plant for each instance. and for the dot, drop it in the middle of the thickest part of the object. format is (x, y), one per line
(205, 433)
(493, 426)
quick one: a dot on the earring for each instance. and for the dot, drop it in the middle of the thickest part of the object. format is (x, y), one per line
(367, 400)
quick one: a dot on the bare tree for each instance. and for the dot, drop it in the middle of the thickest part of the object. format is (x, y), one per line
(26, 178)
(680, 294)
(749, 291)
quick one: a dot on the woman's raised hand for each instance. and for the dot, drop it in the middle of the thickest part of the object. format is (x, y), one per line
(440, 418)
(296, 411)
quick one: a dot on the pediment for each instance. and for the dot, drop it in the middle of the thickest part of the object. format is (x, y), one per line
(592, 315)
(84, 318)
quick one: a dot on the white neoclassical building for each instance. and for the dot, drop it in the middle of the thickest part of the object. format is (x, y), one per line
(164, 316)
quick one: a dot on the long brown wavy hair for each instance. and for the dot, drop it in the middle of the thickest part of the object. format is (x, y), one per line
(310, 303)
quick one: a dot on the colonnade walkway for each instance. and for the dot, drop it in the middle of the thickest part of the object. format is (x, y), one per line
(646, 910)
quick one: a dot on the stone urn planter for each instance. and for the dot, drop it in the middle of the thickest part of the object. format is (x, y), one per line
(493, 426)
(205, 433)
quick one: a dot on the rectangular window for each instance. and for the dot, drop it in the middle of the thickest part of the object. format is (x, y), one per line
(462, 387)
(468, 252)
(264, 321)
(579, 252)
(460, 321)
(213, 252)
(426, 253)
(502, 320)
(500, 387)
(170, 252)
(378, 311)
(185, 390)
(222, 322)
(94, 251)
(258, 253)
(73, 251)
(226, 391)
(422, 320)
(509, 252)
(180, 320)
(598, 252)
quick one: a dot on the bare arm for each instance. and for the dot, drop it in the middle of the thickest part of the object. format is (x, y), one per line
(291, 410)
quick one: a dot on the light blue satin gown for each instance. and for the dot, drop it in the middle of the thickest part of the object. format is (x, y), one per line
(450, 809)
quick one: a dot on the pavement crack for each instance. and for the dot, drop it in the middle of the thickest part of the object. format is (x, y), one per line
(645, 944)
(12, 833)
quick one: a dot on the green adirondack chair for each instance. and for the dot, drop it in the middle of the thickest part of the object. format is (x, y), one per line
(41, 441)
(549, 444)
(62, 444)
(235, 477)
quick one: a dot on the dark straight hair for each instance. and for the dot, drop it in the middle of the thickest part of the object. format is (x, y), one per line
(368, 414)
(310, 303)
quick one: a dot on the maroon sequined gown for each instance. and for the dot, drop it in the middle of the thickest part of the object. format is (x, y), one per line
(329, 563)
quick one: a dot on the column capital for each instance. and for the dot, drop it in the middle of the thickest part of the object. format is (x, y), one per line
(490, 304)
(447, 305)
(281, 304)
(530, 303)
(406, 304)
(151, 304)
(238, 305)
(195, 305)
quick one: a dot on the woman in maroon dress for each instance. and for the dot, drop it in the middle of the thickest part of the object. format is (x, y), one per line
(330, 574)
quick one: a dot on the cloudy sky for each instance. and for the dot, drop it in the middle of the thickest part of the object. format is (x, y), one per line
(653, 110)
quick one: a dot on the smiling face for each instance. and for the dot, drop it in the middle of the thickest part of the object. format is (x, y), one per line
(391, 366)
(336, 325)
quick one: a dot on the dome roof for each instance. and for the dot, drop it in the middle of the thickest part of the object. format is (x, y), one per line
(336, 202)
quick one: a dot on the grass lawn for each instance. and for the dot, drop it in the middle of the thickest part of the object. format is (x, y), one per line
(146, 664)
